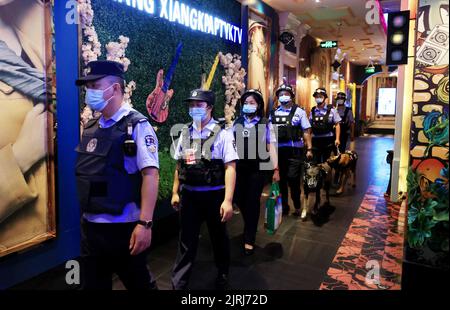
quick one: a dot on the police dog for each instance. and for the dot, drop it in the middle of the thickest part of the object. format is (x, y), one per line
(345, 165)
(316, 177)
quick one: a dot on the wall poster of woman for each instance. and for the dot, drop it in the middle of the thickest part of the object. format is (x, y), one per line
(27, 172)
(259, 53)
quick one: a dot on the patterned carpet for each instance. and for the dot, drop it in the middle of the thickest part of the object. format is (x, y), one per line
(370, 256)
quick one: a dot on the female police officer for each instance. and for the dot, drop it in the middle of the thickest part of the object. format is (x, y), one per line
(254, 138)
(324, 119)
(293, 129)
(205, 173)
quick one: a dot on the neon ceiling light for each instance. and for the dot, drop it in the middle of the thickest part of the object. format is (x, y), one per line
(180, 13)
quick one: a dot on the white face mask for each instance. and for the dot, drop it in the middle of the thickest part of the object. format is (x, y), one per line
(340, 102)
(284, 99)
(319, 100)
(198, 114)
(94, 98)
(249, 109)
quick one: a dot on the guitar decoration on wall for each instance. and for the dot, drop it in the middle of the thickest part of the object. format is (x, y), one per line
(206, 85)
(158, 100)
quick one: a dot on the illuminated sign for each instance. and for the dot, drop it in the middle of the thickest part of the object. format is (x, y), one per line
(178, 12)
(370, 69)
(329, 44)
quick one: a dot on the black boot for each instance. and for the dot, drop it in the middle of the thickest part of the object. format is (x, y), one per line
(222, 282)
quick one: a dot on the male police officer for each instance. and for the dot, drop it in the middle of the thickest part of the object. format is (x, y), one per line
(324, 120)
(206, 175)
(348, 122)
(117, 176)
(292, 125)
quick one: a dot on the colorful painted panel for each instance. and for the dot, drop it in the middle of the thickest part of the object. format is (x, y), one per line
(428, 178)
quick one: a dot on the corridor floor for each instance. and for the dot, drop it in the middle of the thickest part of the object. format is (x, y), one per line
(300, 254)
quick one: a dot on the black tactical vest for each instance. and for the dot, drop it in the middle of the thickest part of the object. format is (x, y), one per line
(201, 170)
(104, 186)
(321, 123)
(286, 131)
(344, 123)
(253, 139)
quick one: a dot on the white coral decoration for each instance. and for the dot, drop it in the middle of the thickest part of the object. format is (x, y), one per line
(129, 88)
(91, 50)
(234, 83)
(115, 51)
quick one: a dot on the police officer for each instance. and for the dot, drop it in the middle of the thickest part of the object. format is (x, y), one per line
(255, 141)
(206, 176)
(347, 126)
(325, 127)
(291, 125)
(117, 177)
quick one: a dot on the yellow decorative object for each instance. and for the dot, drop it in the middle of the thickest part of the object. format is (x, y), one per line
(211, 74)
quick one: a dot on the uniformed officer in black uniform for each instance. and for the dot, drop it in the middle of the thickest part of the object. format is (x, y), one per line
(325, 127)
(347, 126)
(206, 175)
(293, 133)
(255, 140)
(117, 177)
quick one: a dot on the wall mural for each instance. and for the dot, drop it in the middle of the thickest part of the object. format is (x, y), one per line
(428, 178)
(259, 53)
(27, 188)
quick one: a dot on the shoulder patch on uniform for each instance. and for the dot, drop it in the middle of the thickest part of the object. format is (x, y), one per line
(149, 140)
(144, 120)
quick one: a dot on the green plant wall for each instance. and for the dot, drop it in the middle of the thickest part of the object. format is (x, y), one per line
(153, 41)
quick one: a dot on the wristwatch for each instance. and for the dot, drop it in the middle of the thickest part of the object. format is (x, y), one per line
(146, 224)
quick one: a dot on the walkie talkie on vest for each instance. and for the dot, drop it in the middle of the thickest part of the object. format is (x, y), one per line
(129, 145)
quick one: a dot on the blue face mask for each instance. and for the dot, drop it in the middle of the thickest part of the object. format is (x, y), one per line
(284, 99)
(198, 114)
(249, 109)
(94, 99)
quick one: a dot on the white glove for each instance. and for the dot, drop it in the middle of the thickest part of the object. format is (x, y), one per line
(31, 144)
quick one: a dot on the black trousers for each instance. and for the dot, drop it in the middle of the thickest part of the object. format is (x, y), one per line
(247, 195)
(322, 148)
(105, 250)
(343, 139)
(290, 163)
(197, 207)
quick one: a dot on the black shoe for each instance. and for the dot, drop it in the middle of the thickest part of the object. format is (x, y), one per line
(285, 212)
(222, 282)
(297, 212)
(153, 287)
(249, 252)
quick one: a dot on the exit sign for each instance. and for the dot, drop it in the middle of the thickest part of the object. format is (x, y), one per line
(370, 70)
(329, 44)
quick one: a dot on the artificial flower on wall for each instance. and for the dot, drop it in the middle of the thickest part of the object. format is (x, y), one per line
(234, 83)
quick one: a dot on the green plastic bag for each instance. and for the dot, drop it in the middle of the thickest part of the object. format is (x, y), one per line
(274, 209)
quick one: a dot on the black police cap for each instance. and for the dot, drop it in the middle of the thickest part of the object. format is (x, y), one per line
(99, 69)
(285, 87)
(255, 93)
(320, 91)
(341, 95)
(202, 95)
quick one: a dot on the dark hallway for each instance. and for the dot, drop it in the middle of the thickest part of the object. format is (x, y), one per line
(300, 253)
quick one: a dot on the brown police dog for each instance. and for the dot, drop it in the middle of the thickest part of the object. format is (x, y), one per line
(345, 164)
